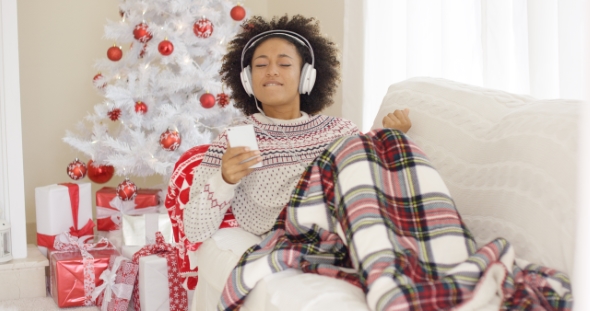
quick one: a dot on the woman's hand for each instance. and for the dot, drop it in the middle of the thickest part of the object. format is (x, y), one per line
(231, 169)
(399, 119)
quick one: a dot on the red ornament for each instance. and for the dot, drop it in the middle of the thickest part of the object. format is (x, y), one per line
(142, 33)
(141, 107)
(165, 47)
(127, 190)
(96, 82)
(222, 99)
(143, 50)
(237, 13)
(170, 140)
(77, 169)
(114, 114)
(114, 53)
(207, 100)
(203, 28)
(101, 173)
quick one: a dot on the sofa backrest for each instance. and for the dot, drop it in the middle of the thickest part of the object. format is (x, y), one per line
(509, 161)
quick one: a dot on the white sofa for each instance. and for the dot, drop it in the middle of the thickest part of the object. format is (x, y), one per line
(509, 162)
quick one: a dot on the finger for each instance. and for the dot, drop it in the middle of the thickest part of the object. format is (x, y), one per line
(399, 115)
(405, 118)
(235, 151)
(235, 173)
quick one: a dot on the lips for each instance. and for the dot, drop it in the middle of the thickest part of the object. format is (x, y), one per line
(272, 83)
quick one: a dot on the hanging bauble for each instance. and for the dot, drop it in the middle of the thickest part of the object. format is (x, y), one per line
(237, 13)
(203, 28)
(126, 190)
(142, 33)
(141, 107)
(114, 114)
(165, 47)
(207, 100)
(222, 99)
(143, 51)
(77, 169)
(101, 173)
(96, 79)
(114, 53)
(170, 140)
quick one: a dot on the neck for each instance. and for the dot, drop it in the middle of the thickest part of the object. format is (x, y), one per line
(282, 113)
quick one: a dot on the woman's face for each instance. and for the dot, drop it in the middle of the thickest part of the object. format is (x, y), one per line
(276, 68)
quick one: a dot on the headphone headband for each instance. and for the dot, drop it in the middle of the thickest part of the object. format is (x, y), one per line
(291, 34)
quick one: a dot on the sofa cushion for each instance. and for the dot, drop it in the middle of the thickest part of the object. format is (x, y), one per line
(509, 161)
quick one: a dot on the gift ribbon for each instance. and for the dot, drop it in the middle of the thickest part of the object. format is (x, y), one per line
(109, 286)
(65, 242)
(74, 194)
(118, 207)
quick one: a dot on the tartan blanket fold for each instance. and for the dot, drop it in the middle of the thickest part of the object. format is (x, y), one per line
(372, 210)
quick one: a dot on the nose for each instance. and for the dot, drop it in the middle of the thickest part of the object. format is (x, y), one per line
(272, 70)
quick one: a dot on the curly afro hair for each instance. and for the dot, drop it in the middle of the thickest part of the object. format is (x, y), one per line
(325, 53)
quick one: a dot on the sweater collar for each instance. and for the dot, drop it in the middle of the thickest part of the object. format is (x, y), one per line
(272, 121)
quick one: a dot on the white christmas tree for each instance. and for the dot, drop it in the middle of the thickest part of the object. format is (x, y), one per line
(161, 84)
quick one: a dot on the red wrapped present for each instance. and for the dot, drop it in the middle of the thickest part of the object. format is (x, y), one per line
(115, 292)
(75, 268)
(109, 207)
(176, 198)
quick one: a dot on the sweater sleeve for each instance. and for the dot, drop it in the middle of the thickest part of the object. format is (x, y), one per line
(210, 196)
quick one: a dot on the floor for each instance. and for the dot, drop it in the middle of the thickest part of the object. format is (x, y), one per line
(38, 304)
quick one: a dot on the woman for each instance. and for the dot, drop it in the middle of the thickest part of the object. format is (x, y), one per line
(285, 113)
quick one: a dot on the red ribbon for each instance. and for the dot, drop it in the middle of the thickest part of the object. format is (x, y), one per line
(74, 193)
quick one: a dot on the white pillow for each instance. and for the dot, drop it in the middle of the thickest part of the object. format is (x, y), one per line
(509, 161)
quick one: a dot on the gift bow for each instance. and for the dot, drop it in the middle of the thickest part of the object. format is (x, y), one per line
(118, 207)
(109, 286)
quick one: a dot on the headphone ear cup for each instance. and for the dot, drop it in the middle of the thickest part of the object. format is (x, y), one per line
(246, 77)
(307, 81)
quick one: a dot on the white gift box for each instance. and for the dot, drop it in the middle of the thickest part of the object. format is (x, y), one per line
(141, 229)
(153, 284)
(128, 251)
(54, 210)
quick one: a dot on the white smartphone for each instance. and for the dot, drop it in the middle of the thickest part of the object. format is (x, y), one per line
(243, 136)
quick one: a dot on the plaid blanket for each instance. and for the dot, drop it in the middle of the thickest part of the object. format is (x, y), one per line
(372, 210)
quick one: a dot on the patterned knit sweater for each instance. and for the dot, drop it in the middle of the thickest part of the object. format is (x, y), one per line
(286, 146)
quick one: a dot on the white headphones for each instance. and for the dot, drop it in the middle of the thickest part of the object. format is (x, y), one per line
(308, 72)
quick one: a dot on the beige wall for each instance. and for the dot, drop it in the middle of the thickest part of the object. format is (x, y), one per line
(59, 41)
(330, 13)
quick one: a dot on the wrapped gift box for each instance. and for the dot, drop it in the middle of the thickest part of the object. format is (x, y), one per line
(153, 284)
(68, 276)
(141, 230)
(110, 208)
(114, 294)
(59, 209)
